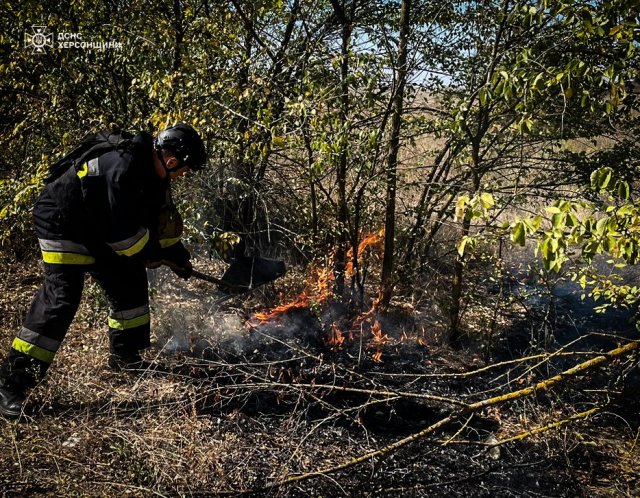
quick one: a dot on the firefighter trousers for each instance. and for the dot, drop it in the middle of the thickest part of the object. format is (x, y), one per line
(66, 262)
(55, 305)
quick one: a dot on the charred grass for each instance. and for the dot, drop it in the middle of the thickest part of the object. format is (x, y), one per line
(231, 408)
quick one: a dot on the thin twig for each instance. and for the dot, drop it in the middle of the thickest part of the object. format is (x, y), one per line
(474, 407)
(458, 431)
(493, 366)
(554, 425)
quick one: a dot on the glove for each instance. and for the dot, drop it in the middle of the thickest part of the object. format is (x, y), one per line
(176, 253)
(152, 265)
(177, 258)
(183, 271)
(151, 254)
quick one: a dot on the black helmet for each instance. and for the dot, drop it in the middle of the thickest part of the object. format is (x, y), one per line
(185, 143)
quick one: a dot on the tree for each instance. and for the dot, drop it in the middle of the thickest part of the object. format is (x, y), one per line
(400, 81)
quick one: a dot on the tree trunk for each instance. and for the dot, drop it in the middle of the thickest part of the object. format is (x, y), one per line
(458, 271)
(342, 217)
(392, 159)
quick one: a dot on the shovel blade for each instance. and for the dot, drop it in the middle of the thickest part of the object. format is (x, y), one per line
(247, 272)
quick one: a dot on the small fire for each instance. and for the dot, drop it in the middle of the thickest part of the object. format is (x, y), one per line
(364, 317)
(422, 338)
(302, 301)
(335, 339)
(374, 240)
(379, 339)
(317, 290)
(319, 287)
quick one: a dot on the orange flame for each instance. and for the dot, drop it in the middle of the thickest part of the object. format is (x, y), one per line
(302, 301)
(335, 338)
(379, 339)
(364, 317)
(373, 240)
(422, 338)
(317, 290)
(319, 285)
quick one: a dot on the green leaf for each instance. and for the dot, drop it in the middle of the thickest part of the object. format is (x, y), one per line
(616, 29)
(518, 235)
(482, 95)
(461, 206)
(626, 210)
(487, 200)
(535, 223)
(604, 182)
(622, 189)
(600, 178)
(601, 225)
(558, 220)
(537, 80)
(462, 244)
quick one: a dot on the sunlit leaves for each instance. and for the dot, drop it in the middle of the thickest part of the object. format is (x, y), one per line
(612, 230)
(476, 207)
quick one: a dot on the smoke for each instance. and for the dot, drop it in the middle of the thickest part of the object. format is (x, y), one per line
(201, 322)
(189, 321)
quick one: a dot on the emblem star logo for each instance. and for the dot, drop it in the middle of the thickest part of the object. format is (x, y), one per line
(38, 39)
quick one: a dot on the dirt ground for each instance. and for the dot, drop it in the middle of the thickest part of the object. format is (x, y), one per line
(233, 406)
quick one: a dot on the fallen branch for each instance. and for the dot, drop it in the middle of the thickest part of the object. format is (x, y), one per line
(554, 425)
(464, 375)
(373, 392)
(522, 435)
(329, 387)
(542, 386)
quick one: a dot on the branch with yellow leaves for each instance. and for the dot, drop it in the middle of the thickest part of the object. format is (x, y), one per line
(471, 408)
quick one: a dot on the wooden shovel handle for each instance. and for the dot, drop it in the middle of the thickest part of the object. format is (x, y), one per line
(208, 278)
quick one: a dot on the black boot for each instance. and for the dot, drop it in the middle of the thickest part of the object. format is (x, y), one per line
(11, 401)
(18, 373)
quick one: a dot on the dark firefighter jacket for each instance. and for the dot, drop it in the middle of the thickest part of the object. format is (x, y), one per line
(110, 204)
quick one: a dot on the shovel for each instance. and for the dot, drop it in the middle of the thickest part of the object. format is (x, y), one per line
(246, 273)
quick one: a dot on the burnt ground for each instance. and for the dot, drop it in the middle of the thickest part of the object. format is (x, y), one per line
(232, 405)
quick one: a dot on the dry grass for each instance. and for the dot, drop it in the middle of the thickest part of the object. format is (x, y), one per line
(227, 413)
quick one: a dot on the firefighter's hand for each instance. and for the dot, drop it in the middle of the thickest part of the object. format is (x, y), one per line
(152, 265)
(184, 270)
(177, 258)
(175, 253)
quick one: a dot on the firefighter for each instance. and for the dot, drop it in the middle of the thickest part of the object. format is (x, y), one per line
(107, 213)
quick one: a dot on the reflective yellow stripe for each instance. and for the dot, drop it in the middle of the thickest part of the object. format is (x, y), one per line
(82, 172)
(39, 340)
(168, 242)
(129, 324)
(137, 247)
(33, 351)
(67, 258)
